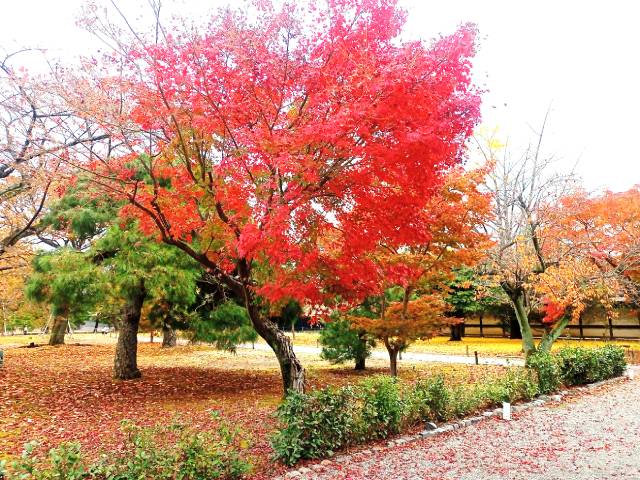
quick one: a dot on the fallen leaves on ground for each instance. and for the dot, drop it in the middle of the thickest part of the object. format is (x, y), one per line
(56, 394)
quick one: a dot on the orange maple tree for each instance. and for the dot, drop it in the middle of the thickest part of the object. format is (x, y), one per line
(451, 236)
(599, 236)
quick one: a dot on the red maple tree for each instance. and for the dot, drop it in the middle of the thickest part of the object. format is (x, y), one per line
(277, 148)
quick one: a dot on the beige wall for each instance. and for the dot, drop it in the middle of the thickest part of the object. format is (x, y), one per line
(594, 325)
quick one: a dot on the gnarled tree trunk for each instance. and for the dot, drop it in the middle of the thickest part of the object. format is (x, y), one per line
(126, 361)
(169, 336)
(293, 375)
(517, 296)
(58, 330)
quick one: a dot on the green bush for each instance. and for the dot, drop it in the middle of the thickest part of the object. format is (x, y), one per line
(547, 369)
(64, 462)
(613, 357)
(177, 452)
(381, 409)
(314, 424)
(428, 400)
(516, 384)
(464, 400)
(576, 365)
(520, 384)
(580, 365)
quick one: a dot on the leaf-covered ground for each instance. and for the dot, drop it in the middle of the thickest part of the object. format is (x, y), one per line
(54, 394)
(498, 347)
(484, 346)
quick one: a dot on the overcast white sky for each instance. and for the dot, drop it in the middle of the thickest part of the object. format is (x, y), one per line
(580, 57)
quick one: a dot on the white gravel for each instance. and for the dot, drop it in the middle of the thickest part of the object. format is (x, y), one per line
(590, 435)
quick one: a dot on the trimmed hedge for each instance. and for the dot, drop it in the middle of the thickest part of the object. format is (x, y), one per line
(547, 368)
(316, 424)
(576, 366)
(579, 365)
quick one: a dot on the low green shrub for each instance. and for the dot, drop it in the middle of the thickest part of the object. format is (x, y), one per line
(314, 424)
(520, 384)
(580, 365)
(547, 369)
(577, 365)
(427, 400)
(64, 462)
(517, 384)
(381, 407)
(612, 360)
(176, 452)
(463, 401)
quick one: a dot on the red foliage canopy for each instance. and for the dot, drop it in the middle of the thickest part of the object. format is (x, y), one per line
(296, 141)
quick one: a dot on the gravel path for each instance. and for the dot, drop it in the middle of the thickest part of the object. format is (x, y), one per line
(589, 435)
(408, 356)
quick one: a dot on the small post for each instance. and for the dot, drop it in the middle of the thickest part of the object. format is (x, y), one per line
(476, 354)
(506, 411)
(467, 350)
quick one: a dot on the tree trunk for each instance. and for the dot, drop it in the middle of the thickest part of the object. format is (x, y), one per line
(528, 343)
(456, 333)
(95, 327)
(58, 330)
(547, 341)
(169, 336)
(360, 363)
(393, 361)
(126, 362)
(293, 375)
(514, 328)
(293, 329)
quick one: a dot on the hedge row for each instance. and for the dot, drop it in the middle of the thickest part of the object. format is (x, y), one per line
(577, 366)
(316, 424)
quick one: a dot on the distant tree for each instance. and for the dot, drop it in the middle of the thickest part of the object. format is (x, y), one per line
(414, 275)
(226, 326)
(341, 342)
(69, 284)
(403, 318)
(469, 294)
(39, 135)
(290, 314)
(543, 259)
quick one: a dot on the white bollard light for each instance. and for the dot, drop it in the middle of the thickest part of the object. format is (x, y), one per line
(506, 411)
